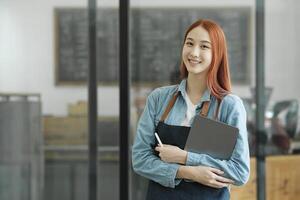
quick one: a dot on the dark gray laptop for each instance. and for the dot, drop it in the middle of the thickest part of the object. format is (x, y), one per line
(212, 137)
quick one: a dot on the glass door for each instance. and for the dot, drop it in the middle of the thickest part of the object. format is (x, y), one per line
(156, 37)
(44, 123)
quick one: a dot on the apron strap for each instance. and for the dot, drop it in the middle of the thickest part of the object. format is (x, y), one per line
(169, 107)
(205, 108)
(217, 110)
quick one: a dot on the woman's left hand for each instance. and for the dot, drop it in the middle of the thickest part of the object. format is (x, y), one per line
(171, 154)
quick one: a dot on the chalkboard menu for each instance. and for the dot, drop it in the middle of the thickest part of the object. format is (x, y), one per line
(156, 37)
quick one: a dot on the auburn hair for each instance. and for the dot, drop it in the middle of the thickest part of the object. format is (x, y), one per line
(218, 76)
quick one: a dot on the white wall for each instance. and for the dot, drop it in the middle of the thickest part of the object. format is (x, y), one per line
(27, 50)
(282, 52)
(27, 56)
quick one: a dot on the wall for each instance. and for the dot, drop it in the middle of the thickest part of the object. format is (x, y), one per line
(27, 50)
(282, 48)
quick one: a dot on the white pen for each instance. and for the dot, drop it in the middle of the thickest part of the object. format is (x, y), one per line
(158, 139)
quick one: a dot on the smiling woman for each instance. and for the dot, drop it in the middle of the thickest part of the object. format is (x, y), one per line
(206, 38)
(205, 89)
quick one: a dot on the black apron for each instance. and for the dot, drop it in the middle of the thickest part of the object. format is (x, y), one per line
(177, 136)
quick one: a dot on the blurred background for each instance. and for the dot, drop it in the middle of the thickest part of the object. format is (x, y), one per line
(44, 92)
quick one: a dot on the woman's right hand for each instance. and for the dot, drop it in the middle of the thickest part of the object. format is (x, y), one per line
(205, 175)
(210, 176)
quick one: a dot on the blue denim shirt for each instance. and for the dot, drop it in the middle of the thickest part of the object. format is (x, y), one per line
(231, 111)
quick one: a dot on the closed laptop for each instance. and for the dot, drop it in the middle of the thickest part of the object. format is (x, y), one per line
(212, 137)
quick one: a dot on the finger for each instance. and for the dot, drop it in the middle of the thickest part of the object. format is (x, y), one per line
(158, 148)
(224, 180)
(159, 155)
(217, 184)
(217, 171)
(160, 145)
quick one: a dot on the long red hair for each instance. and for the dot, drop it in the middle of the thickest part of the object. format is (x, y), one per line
(218, 76)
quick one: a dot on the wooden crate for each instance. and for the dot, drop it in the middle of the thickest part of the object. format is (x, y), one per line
(283, 177)
(78, 109)
(65, 130)
(248, 191)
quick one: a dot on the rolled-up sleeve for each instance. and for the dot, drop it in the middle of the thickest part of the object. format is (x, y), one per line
(237, 167)
(144, 162)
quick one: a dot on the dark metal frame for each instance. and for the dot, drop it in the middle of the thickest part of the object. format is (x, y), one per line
(260, 98)
(92, 107)
(124, 98)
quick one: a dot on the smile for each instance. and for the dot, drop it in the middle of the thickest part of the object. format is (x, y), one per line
(194, 61)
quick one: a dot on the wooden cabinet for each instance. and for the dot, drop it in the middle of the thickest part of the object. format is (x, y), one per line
(248, 191)
(282, 179)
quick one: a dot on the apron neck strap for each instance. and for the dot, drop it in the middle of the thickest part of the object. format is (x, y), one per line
(169, 107)
(205, 108)
(217, 110)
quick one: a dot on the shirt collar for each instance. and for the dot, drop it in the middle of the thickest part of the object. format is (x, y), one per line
(182, 90)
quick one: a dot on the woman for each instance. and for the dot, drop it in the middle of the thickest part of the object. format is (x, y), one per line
(205, 89)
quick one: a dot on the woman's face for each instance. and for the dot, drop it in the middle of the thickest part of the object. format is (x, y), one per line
(197, 51)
